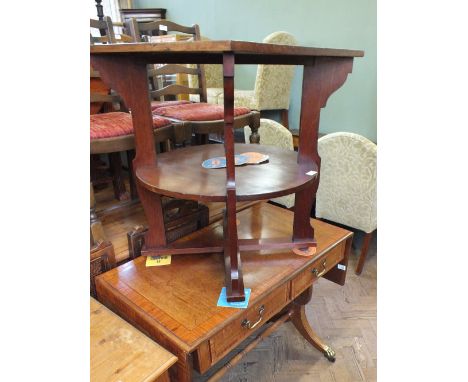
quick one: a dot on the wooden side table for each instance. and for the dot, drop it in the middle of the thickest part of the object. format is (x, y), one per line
(123, 67)
(119, 352)
(176, 305)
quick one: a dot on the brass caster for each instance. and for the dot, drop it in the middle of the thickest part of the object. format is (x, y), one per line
(329, 354)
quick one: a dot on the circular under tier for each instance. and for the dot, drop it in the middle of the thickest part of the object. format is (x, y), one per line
(179, 174)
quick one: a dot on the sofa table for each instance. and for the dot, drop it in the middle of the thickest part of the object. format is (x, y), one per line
(123, 68)
(176, 305)
(119, 352)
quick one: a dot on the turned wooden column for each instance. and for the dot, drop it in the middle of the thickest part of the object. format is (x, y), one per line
(100, 15)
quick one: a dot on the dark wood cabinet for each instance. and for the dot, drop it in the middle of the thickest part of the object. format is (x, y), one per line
(143, 15)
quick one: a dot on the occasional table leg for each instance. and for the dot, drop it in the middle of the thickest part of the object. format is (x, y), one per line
(322, 77)
(299, 319)
(232, 260)
(133, 87)
(156, 235)
(302, 229)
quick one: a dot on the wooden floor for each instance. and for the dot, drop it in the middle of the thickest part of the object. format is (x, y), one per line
(345, 317)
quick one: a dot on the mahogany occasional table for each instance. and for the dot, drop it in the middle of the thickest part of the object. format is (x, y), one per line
(176, 304)
(123, 67)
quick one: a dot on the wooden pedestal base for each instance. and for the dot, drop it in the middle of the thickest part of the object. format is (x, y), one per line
(299, 319)
(295, 312)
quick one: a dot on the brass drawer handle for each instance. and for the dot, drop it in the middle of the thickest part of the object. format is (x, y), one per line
(316, 272)
(248, 325)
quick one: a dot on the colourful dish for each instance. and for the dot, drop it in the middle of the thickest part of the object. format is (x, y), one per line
(255, 158)
(220, 162)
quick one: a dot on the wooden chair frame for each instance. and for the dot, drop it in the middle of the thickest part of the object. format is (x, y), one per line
(105, 26)
(200, 128)
(177, 133)
(113, 146)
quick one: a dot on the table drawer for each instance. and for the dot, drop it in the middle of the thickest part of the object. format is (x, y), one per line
(253, 318)
(317, 269)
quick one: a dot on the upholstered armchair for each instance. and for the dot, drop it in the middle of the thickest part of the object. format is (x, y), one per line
(274, 134)
(347, 192)
(213, 81)
(272, 85)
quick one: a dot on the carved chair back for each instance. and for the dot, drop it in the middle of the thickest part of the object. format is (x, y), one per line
(143, 32)
(106, 28)
(112, 102)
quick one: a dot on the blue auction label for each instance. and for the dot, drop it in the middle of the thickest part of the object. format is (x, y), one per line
(222, 301)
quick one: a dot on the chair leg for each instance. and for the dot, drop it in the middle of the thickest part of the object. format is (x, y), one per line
(167, 145)
(364, 250)
(117, 181)
(201, 139)
(285, 118)
(98, 172)
(131, 175)
(254, 125)
(96, 231)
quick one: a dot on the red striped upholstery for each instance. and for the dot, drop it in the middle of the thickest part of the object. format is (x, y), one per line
(109, 125)
(197, 112)
(157, 104)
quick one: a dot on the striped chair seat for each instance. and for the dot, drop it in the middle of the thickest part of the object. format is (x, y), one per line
(197, 112)
(115, 124)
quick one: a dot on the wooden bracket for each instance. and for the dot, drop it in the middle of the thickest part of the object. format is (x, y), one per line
(321, 79)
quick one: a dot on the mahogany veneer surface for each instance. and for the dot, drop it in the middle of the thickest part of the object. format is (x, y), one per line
(181, 298)
(246, 52)
(179, 174)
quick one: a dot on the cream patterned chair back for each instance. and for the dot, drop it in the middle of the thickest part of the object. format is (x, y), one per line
(347, 192)
(214, 75)
(273, 133)
(273, 83)
(213, 80)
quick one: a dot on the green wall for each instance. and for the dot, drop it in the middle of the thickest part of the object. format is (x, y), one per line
(319, 23)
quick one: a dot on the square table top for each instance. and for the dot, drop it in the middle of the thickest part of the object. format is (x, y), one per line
(246, 52)
(120, 352)
(181, 298)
